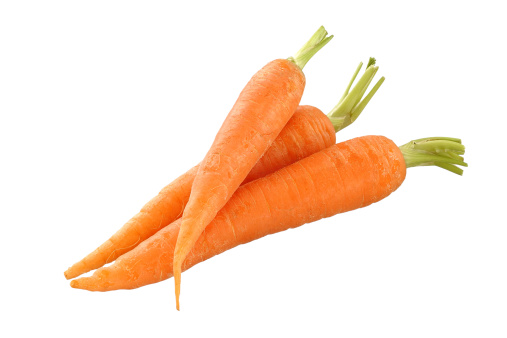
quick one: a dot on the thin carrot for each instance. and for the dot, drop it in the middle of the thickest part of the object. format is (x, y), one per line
(343, 177)
(263, 108)
(307, 132)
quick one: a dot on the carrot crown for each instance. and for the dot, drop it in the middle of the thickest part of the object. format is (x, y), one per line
(443, 152)
(350, 105)
(309, 49)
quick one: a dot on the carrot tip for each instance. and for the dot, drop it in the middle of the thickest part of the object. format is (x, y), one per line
(71, 273)
(177, 284)
(74, 271)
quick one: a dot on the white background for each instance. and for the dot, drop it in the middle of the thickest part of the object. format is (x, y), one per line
(103, 103)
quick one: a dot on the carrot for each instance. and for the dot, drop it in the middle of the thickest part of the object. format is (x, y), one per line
(340, 178)
(261, 111)
(307, 132)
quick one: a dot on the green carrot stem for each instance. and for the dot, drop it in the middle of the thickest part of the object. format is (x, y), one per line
(451, 167)
(441, 145)
(350, 105)
(443, 152)
(354, 114)
(351, 82)
(426, 139)
(452, 155)
(367, 84)
(371, 62)
(309, 49)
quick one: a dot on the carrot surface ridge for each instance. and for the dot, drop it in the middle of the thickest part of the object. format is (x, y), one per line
(340, 178)
(307, 132)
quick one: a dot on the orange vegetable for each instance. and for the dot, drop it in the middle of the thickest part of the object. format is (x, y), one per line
(307, 132)
(261, 111)
(343, 177)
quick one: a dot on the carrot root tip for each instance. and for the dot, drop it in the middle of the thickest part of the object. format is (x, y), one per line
(177, 284)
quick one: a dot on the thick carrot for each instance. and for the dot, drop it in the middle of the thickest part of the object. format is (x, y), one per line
(261, 111)
(343, 177)
(307, 132)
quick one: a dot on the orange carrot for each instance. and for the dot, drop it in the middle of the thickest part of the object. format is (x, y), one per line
(343, 177)
(307, 132)
(263, 108)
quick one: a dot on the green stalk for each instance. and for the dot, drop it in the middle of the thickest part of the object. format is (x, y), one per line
(309, 49)
(354, 114)
(371, 63)
(351, 82)
(443, 152)
(352, 103)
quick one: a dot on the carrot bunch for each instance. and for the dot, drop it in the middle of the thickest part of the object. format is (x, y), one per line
(340, 178)
(273, 165)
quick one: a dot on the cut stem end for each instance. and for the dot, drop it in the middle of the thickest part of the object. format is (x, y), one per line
(309, 49)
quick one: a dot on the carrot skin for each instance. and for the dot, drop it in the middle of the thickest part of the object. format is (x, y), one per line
(307, 132)
(343, 177)
(262, 109)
